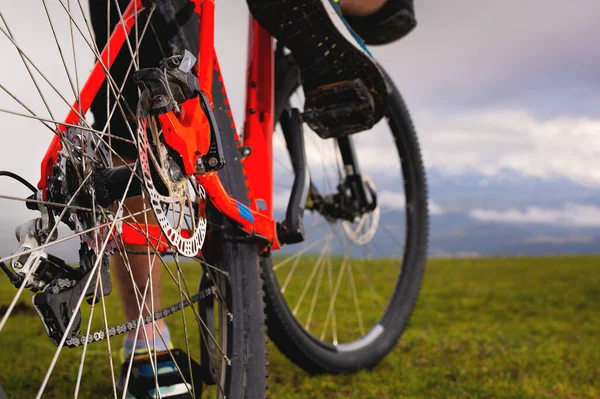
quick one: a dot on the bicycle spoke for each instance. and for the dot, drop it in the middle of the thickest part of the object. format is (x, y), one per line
(158, 41)
(186, 293)
(104, 315)
(48, 120)
(392, 236)
(28, 275)
(151, 285)
(333, 316)
(142, 305)
(60, 52)
(198, 318)
(47, 203)
(139, 322)
(183, 319)
(35, 83)
(108, 345)
(22, 104)
(332, 301)
(222, 306)
(218, 289)
(289, 275)
(355, 298)
(300, 253)
(87, 333)
(366, 278)
(310, 278)
(115, 90)
(122, 22)
(77, 87)
(52, 86)
(137, 36)
(315, 294)
(80, 300)
(353, 287)
(187, 297)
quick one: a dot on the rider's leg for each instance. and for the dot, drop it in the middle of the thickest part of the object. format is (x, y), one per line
(140, 269)
(380, 21)
(140, 264)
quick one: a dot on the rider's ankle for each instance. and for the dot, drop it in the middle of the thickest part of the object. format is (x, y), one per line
(161, 342)
(361, 8)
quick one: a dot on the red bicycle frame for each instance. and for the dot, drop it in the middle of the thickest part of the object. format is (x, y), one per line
(189, 132)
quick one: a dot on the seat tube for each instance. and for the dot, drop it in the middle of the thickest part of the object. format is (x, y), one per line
(259, 124)
(206, 50)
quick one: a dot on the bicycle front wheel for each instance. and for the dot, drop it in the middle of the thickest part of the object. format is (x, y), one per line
(339, 301)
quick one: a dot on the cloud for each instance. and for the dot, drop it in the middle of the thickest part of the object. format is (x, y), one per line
(280, 201)
(390, 199)
(491, 141)
(394, 200)
(435, 208)
(463, 55)
(570, 214)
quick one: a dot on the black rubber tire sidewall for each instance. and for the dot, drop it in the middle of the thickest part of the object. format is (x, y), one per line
(240, 259)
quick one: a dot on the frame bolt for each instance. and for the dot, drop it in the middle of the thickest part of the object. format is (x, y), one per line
(245, 151)
(200, 166)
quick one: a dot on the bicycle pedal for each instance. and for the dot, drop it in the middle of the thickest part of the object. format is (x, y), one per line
(340, 109)
(171, 366)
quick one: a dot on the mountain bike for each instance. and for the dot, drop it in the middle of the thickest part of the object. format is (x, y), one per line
(204, 213)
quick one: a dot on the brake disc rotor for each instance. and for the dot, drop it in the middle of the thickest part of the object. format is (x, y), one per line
(174, 194)
(363, 230)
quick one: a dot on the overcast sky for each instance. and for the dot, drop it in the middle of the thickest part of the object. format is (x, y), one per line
(493, 85)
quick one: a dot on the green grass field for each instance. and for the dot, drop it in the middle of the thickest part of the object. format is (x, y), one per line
(490, 328)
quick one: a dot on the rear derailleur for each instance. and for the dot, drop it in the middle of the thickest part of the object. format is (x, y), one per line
(58, 285)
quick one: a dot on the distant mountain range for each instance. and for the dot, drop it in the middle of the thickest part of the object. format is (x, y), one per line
(456, 232)
(457, 227)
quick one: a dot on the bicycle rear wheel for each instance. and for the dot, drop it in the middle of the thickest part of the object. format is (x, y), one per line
(339, 301)
(75, 247)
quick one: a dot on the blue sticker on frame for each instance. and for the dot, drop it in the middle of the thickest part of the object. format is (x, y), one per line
(245, 212)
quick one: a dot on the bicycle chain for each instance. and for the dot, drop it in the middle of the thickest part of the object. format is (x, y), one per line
(100, 335)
